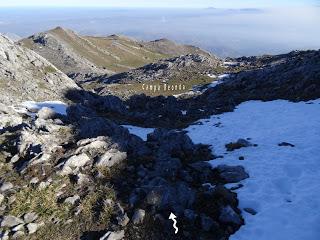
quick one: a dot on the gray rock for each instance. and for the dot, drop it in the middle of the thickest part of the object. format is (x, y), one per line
(250, 210)
(46, 113)
(75, 162)
(27, 81)
(161, 194)
(1, 198)
(123, 220)
(138, 216)
(238, 144)
(32, 227)
(30, 217)
(111, 157)
(72, 200)
(231, 174)
(113, 235)
(6, 186)
(11, 221)
(228, 215)
(244, 142)
(82, 178)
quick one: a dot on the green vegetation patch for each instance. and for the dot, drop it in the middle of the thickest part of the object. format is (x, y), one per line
(49, 69)
(41, 201)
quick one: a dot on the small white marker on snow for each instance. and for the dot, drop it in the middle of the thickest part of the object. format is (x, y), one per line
(173, 218)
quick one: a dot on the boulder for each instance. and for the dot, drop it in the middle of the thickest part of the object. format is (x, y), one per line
(32, 227)
(111, 158)
(169, 196)
(30, 217)
(46, 113)
(75, 162)
(72, 200)
(123, 220)
(238, 144)
(138, 216)
(11, 221)
(228, 215)
(231, 174)
(6, 186)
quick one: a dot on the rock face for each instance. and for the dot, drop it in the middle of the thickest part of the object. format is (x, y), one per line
(294, 76)
(27, 76)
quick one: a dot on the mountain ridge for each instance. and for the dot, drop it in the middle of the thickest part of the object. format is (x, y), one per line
(82, 57)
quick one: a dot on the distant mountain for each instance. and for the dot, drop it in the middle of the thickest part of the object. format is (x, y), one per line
(168, 47)
(24, 75)
(82, 57)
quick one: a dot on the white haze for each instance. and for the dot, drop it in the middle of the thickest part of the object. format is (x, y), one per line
(225, 32)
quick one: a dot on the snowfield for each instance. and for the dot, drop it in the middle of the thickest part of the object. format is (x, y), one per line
(284, 183)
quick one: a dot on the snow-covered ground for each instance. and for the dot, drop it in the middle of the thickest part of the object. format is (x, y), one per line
(31, 106)
(139, 131)
(219, 80)
(284, 183)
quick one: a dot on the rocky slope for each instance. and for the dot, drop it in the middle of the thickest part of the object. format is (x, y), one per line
(24, 75)
(167, 47)
(166, 69)
(180, 74)
(80, 175)
(82, 57)
(294, 78)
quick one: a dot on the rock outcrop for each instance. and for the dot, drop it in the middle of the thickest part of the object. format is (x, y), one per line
(24, 75)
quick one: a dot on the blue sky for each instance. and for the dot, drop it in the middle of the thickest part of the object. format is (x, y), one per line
(164, 3)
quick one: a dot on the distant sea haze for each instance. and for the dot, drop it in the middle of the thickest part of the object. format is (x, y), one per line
(224, 32)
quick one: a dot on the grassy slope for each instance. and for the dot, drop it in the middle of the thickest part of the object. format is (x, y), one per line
(114, 53)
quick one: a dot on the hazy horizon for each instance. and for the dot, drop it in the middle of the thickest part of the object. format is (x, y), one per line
(225, 32)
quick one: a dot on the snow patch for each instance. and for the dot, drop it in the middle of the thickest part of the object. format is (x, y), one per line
(29, 107)
(219, 81)
(139, 131)
(284, 183)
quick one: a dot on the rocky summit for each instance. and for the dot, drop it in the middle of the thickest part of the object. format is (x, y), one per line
(110, 163)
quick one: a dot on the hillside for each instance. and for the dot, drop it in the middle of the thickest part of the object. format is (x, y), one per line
(115, 168)
(82, 57)
(24, 75)
(187, 71)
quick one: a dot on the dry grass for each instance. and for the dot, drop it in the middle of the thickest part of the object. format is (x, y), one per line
(41, 201)
(187, 80)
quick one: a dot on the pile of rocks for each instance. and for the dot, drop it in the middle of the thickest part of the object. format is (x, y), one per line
(85, 169)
